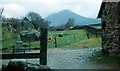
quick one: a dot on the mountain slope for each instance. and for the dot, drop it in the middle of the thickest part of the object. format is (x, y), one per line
(63, 16)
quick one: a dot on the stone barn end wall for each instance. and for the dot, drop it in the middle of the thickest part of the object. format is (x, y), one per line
(111, 28)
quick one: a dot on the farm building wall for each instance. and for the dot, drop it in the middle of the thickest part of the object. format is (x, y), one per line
(111, 28)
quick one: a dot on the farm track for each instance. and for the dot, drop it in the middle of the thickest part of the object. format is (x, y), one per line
(71, 58)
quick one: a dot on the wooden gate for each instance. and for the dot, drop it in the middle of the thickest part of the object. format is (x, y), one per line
(42, 54)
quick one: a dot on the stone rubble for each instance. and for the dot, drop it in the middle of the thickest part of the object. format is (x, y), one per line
(23, 65)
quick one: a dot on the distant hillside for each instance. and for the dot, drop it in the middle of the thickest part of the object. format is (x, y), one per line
(63, 16)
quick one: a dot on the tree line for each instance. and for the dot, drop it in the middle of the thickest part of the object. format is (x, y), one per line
(69, 24)
(31, 21)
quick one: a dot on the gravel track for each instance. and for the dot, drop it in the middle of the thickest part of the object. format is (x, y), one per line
(71, 58)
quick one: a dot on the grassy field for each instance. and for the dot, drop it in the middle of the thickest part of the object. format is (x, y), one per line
(70, 37)
(76, 38)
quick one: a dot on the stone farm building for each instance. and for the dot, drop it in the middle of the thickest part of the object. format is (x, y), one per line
(110, 17)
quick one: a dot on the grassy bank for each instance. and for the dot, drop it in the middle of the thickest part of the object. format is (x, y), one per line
(91, 43)
(103, 58)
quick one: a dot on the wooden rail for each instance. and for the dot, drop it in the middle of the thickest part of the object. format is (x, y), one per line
(26, 55)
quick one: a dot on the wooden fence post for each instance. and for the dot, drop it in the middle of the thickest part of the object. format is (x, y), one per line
(55, 38)
(29, 42)
(13, 47)
(24, 50)
(43, 46)
(88, 36)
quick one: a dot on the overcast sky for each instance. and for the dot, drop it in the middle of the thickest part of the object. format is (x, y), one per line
(18, 8)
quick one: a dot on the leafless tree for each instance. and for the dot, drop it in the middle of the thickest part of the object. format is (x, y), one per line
(1, 11)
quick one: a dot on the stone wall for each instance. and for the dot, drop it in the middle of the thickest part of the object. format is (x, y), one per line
(111, 28)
